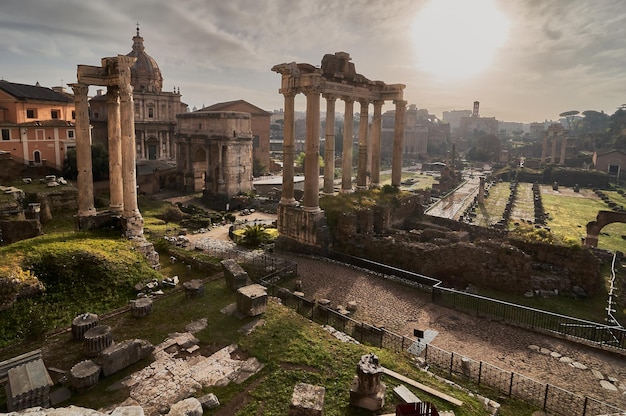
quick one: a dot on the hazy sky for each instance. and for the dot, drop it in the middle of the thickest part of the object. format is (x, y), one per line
(524, 60)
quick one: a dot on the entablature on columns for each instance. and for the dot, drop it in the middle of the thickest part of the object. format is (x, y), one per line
(336, 77)
(115, 71)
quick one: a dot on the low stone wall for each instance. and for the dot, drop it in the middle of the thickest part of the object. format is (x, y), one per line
(14, 231)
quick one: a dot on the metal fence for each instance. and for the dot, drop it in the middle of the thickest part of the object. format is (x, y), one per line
(608, 336)
(545, 396)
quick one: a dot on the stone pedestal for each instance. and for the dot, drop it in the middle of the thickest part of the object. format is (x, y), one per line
(307, 400)
(252, 300)
(141, 307)
(193, 288)
(82, 323)
(96, 340)
(367, 390)
(85, 374)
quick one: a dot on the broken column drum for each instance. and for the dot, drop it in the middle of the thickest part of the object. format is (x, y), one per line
(83, 323)
(141, 307)
(97, 339)
(85, 374)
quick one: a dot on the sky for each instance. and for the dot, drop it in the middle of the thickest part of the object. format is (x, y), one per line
(523, 60)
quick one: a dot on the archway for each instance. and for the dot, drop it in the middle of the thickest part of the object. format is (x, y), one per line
(602, 219)
(152, 148)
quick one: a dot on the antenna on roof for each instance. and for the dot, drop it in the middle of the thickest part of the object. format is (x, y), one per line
(137, 28)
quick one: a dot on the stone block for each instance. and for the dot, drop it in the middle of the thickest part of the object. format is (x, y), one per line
(187, 407)
(128, 411)
(209, 401)
(252, 300)
(28, 386)
(120, 356)
(193, 288)
(234, 275)
(307, 400)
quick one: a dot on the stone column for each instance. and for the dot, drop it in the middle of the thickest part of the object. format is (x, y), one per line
(189, 185)
(129, 156)
(289, 129)
(116, 205)
(376, 129)
(142, 144)
(346, 162)
(563, 147)
(84, 181)
(329, 147)
(361, 178)
(398, 143)
(544, 148)
(554, 140)
(310, 201)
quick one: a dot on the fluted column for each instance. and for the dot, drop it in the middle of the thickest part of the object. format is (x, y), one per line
(129, 154)
(376, 129)
(398, 143)
(555, 138)
(310, 201)
(544, 148)
(84, 181)
(289, 128)
(361, 178)
(329, 147)
(346, 162)
(116, 205)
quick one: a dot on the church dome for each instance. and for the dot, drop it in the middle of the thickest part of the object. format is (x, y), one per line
(145, 74)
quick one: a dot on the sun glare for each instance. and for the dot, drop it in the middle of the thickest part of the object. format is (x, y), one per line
(457, 39)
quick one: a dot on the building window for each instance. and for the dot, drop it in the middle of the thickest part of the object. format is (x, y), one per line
(95, 115)
(31, 113)
(150, 112)
(70, 134)
(5, 134)
(54, 114)
(73, 114)
(136, 110)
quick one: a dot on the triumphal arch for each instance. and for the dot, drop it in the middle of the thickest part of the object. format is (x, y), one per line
(335, 79)
(114, 74)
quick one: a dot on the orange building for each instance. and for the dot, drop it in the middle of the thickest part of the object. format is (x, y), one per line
(37, 123)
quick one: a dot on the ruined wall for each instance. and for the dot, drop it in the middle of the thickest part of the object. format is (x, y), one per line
(468, 255)
(14, 231)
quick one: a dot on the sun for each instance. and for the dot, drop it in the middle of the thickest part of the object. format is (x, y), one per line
(458, 39)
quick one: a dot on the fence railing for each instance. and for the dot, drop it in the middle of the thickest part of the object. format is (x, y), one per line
(610, 336)
(607, 336)
(546, 396)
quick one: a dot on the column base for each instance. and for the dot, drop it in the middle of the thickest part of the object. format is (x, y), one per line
(132, 224)
(311, 209)
(288, 202)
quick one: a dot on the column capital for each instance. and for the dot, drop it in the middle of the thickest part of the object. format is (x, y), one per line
(329, 96)
(378, 103)
(347, 99)
(400, 102)
(311, 90)
(80, 89)
(364, 101)
(289, 93)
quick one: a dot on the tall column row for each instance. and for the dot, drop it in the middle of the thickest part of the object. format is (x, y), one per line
(369, 147)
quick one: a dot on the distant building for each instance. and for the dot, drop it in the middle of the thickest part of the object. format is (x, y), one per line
(454, 118)
(37, 123)
(423, 131)
(260, 129)
(612, 162)
(155, 109)
(476, 123)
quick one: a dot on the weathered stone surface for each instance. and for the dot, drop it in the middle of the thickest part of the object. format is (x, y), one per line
(82, 323)
(85, 374)
(597, 374)
(127, 411)
(578, 365)
(545, 351)
(120, 356)
(141, 307)
(565, 360)
(97, 339)
(187, 407)
(193, 288)
(209, 401)
(534, 347)
(234, 274)
(28, 386)
(607, 385)
(252, 300)
(555, 354)
(307, 400)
